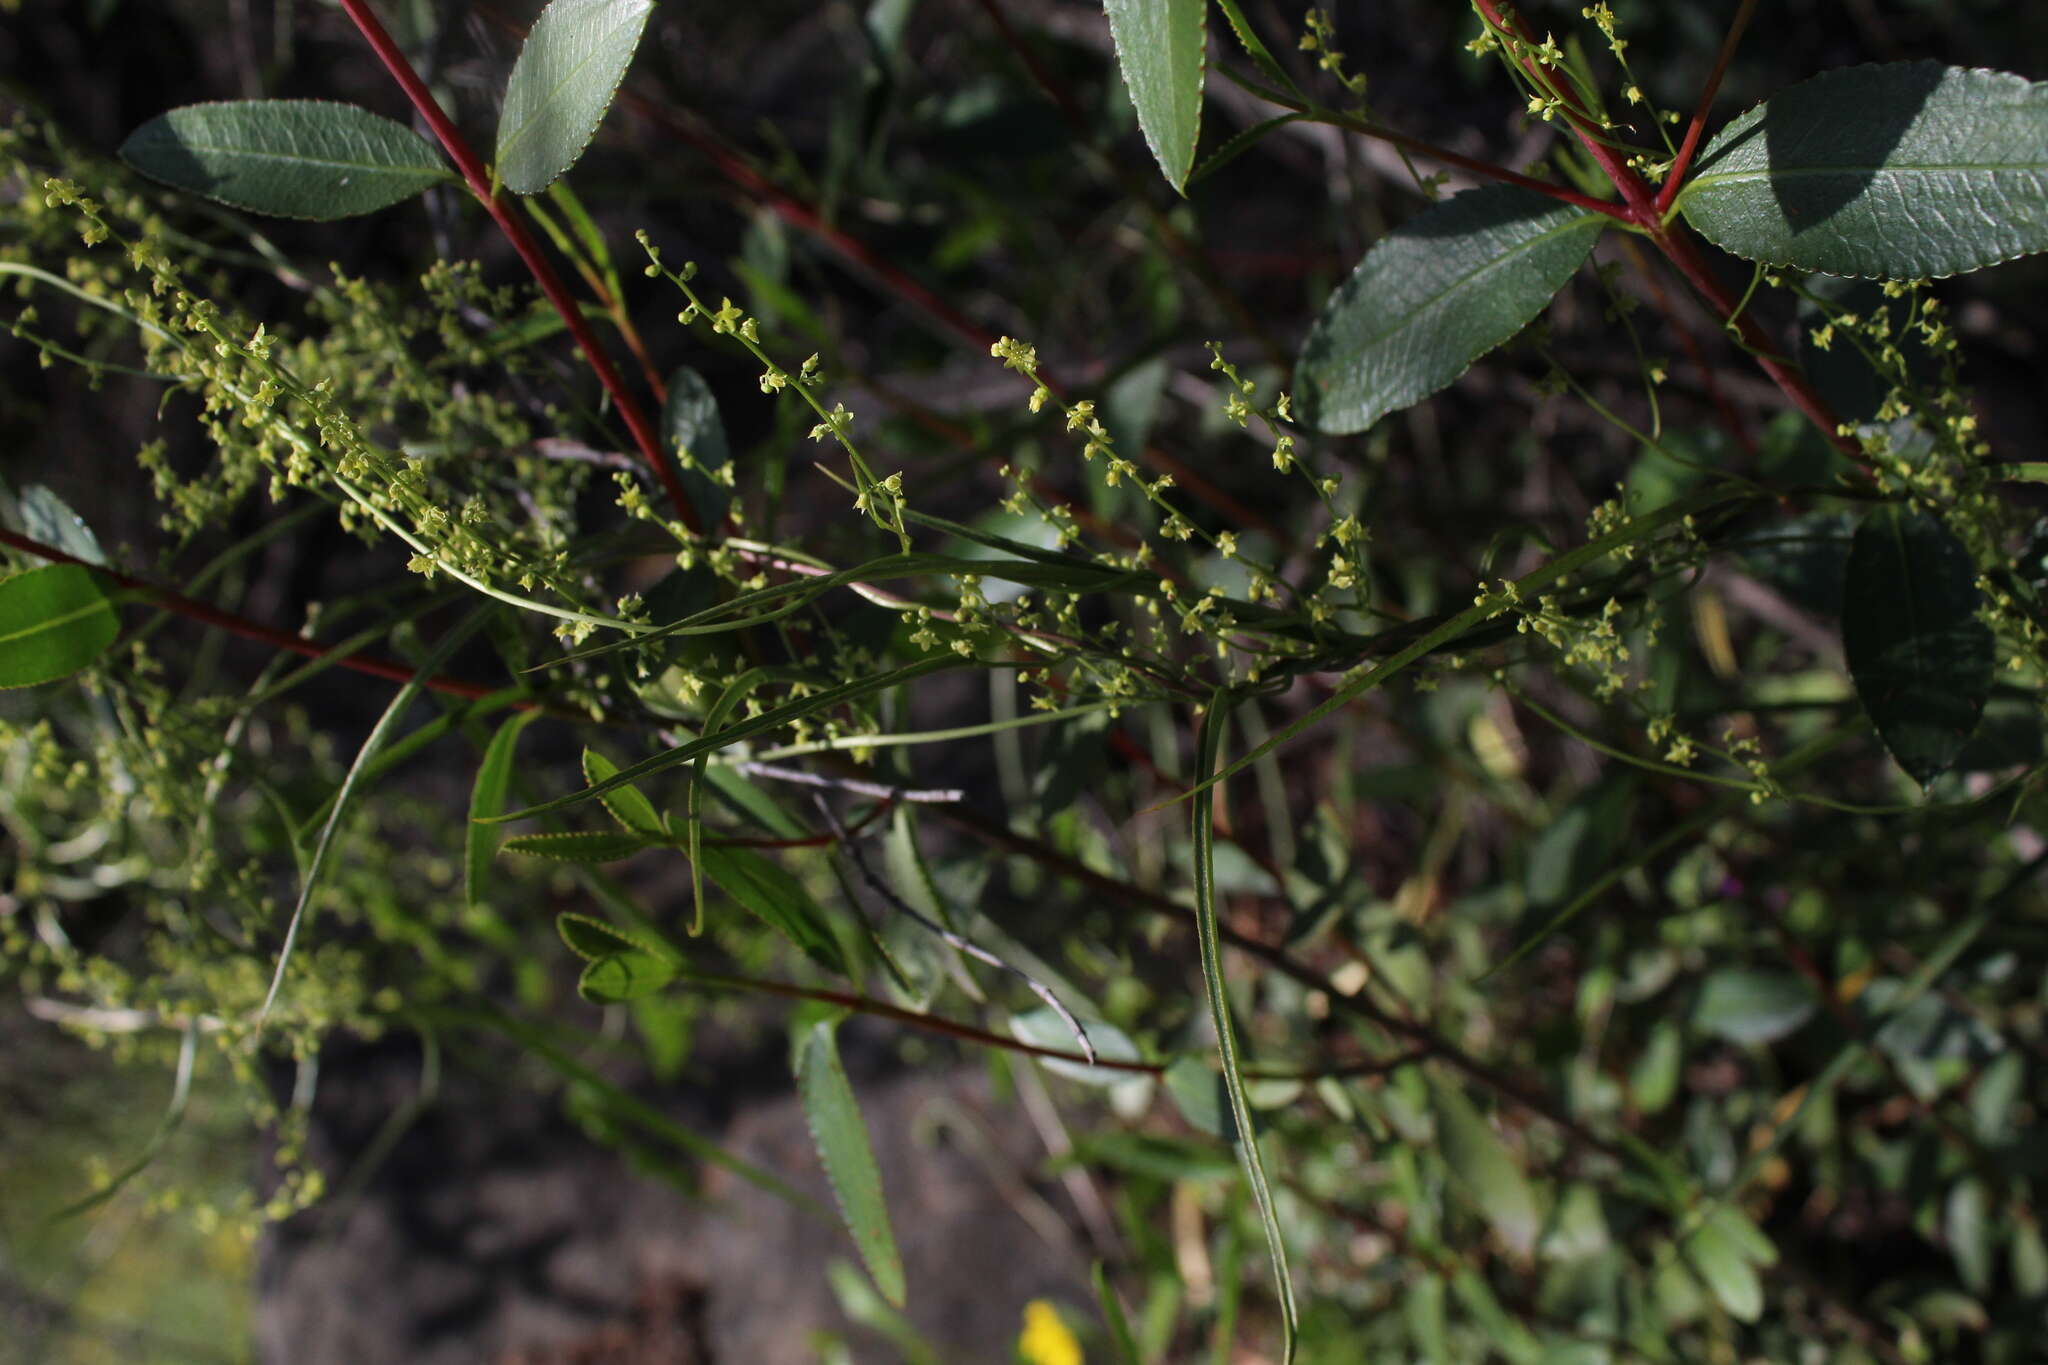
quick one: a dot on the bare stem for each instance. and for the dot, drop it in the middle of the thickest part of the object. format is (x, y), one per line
(515, 230)
(1683, 161)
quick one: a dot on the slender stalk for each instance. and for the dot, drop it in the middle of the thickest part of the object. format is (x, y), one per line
(1683, 161)
(253, 630)
(515, 230)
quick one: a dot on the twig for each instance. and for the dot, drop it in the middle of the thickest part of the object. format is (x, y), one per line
(979, 954)
(876, 790)
(514, 228)
(1675, 180)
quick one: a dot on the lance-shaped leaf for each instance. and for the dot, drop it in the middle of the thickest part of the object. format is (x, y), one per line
(597, 846)
(575, 56)
(1434, 295)
(690, 422)
(621, 977)
(1484, 1168)
(771, 892)
(1921, 659)
(486, 798)
(1909, 170)
(842, 1138)
(1159, 47)
(289, 158)
(53, 622)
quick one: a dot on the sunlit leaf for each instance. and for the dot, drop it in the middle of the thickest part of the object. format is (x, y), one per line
(53, 621)
(1431, 297)
(1747, 1005)
(1160, 49)
(575, 55)
(1909, 170)
(289, 158)
(486, 798)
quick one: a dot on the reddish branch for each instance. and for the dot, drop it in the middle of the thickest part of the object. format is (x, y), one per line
(253, 630)
(1683, 162)
(514, 228)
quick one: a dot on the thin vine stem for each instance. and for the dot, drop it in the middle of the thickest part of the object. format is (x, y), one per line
(515, 230)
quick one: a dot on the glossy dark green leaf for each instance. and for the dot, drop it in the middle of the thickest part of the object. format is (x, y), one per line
(841, 1136)
(1909, 170)
(621, 977)
(690, 421)
(487, 798)
(1484, 1168)
(1921, 660)
(569, 70)
(1749, 1005)
(599, 846)
(1434, 295)
(634, 812)
(1160, 50)
(766, 888)
(53, 621)
(289, 158)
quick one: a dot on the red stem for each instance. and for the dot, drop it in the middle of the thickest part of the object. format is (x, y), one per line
(1693, 130)
(1685, 256)
(514, 228)
(253, 630)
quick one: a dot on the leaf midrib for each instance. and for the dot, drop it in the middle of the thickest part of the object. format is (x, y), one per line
(408, 169)
(533, 121)
(1715, 178)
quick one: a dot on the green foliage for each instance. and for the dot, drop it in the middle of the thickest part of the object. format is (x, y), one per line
(1905, 171)
(1433, 296)
(567, 73)
(54, 621)
(292, 158)
(1606, 897)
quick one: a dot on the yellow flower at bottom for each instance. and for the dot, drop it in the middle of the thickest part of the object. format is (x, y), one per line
(1046, 1340)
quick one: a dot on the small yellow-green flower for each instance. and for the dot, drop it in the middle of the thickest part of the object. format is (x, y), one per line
(1046, 1340)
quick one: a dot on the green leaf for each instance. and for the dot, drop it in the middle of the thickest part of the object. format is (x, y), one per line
(690, 421)
(1160, 48)
(1122, 1345)
(289, 158)
(593, 939)
(1434, 295)
(1967, 1224)
(53, 622)
(600, 846)
(1746, 1005)
(1208, 742)
(1725, 1250)
(1484, 1168)
(46, 517)
(486, 798)
(842, 1139)
(1910, 170)
(624, 976)
(767, 888)
(575, 56)
(1921, 660)
(1043, 1027)
(634, 812)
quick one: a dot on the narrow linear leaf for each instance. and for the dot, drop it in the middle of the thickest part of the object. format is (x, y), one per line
(690, 422)
(487, 798)
(598, 846)
(1483, 1167)
(53, 621)
(1160, 49)
(1206, 746)
(1434, 295)
(1122, 1344)
(568, 71)
(1921, 659)
(767, 889)
(621, 977)
(359, 775)
(841, 1136)
(1255, 47)
(1908, 170)
(634, 812)
(288, 158)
